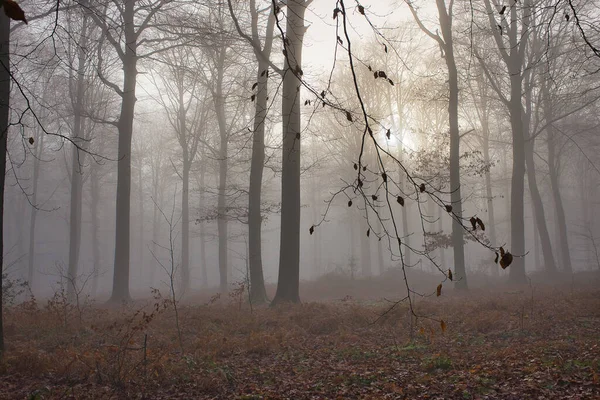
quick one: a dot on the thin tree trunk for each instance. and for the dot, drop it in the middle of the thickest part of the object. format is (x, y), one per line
(202, 230)
(288, 283)
(32, 222)
(456, 199)
(561, 223)
(185, 226)
(536, 198)
(365, 249)
(223, 155)
(77, 161)
(95, 222)
(141, 252)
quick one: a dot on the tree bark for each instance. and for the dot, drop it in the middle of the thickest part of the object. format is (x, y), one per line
(77, 161)
(185, 225)
(95, 194)
(5, 79)
(445, 17)
(258, 295)
(33, 219)
(223, 155)
(288, 282)
(120, 291)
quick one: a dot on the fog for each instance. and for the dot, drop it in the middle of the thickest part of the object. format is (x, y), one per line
(195, 116)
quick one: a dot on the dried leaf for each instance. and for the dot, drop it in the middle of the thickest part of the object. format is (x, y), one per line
(438, 291)
(450, 274)
(501, 251)
(496, 259)
(480, 223)
(388, 134)
(323, 94)
(14, 11)
(422, 187)
(382, 74)
(361, 9)
(385, 48)
(311, 230)
(448, 208)
(374, 197)
(335, 12)
(443, 325)
(349, 203)
(384, 176)
(473, 223)
(368, 232)
(355, 167)
(252, 97)
(348, 116)
(391, 82)
(506, 260)
(255, 85)
(502, 10)
(400, 200)
(31, 140)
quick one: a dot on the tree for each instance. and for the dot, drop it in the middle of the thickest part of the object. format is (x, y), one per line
(78, 135)
(187, 113)
(5, 80)
(125, 39)
(258, 295)
(446, 43)
(288, 281)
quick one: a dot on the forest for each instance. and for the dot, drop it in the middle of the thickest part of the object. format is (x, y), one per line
(299, 199)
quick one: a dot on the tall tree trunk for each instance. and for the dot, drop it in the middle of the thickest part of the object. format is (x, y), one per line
(120, 292)
(77, 161)
(258, 295)
(33, 218)
(223, 155)
(288, 282)
(4, 117)
(553, 163)
(456, 199)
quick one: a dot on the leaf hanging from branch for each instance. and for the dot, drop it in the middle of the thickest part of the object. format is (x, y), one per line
(14, 11)
(438, 291)
(506, 260)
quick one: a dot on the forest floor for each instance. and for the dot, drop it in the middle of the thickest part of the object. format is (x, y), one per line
(534, 342)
